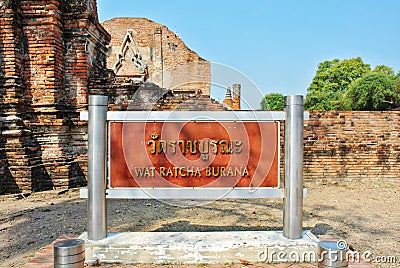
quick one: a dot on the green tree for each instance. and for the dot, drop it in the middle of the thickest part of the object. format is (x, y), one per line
(396, 90)
(396, 83)
(273, 102)
(373, 91)
(383, 69)
(331, 81)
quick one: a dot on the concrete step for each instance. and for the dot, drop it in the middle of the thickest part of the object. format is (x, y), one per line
(200, 248)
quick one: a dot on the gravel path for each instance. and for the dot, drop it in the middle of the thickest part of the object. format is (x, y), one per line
(365, 214)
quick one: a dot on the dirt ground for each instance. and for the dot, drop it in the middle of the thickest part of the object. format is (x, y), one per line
(365, 214)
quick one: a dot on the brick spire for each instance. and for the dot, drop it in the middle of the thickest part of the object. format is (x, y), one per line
(228, 98)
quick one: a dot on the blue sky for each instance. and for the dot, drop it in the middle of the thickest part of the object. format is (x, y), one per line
(277, 44)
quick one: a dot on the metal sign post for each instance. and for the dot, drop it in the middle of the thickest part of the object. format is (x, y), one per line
(97, 227)
(97, 187)
(293, 200)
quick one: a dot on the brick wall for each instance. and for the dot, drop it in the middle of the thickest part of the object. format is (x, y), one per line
(352, 145)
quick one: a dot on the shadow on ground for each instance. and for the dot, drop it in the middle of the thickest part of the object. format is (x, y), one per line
(26, 225)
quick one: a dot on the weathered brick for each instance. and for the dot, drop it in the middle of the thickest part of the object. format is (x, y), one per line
(40, 96)
(170, 63)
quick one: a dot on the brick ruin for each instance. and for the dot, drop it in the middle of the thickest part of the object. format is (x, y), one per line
(146, 55)
(54, 53)
(233, 100)
(143, 50)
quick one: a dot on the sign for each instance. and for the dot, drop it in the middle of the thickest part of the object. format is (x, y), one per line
(193, 154)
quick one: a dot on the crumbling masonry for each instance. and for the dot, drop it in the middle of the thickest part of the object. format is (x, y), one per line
(53, 54)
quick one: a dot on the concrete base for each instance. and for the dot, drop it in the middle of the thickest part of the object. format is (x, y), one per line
(200, 248)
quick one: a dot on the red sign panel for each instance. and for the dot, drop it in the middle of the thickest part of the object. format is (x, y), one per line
(194, 154)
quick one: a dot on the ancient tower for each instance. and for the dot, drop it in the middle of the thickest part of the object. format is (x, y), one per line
(228, 98)
(146, 50)
(51, 57)
(233, 101)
